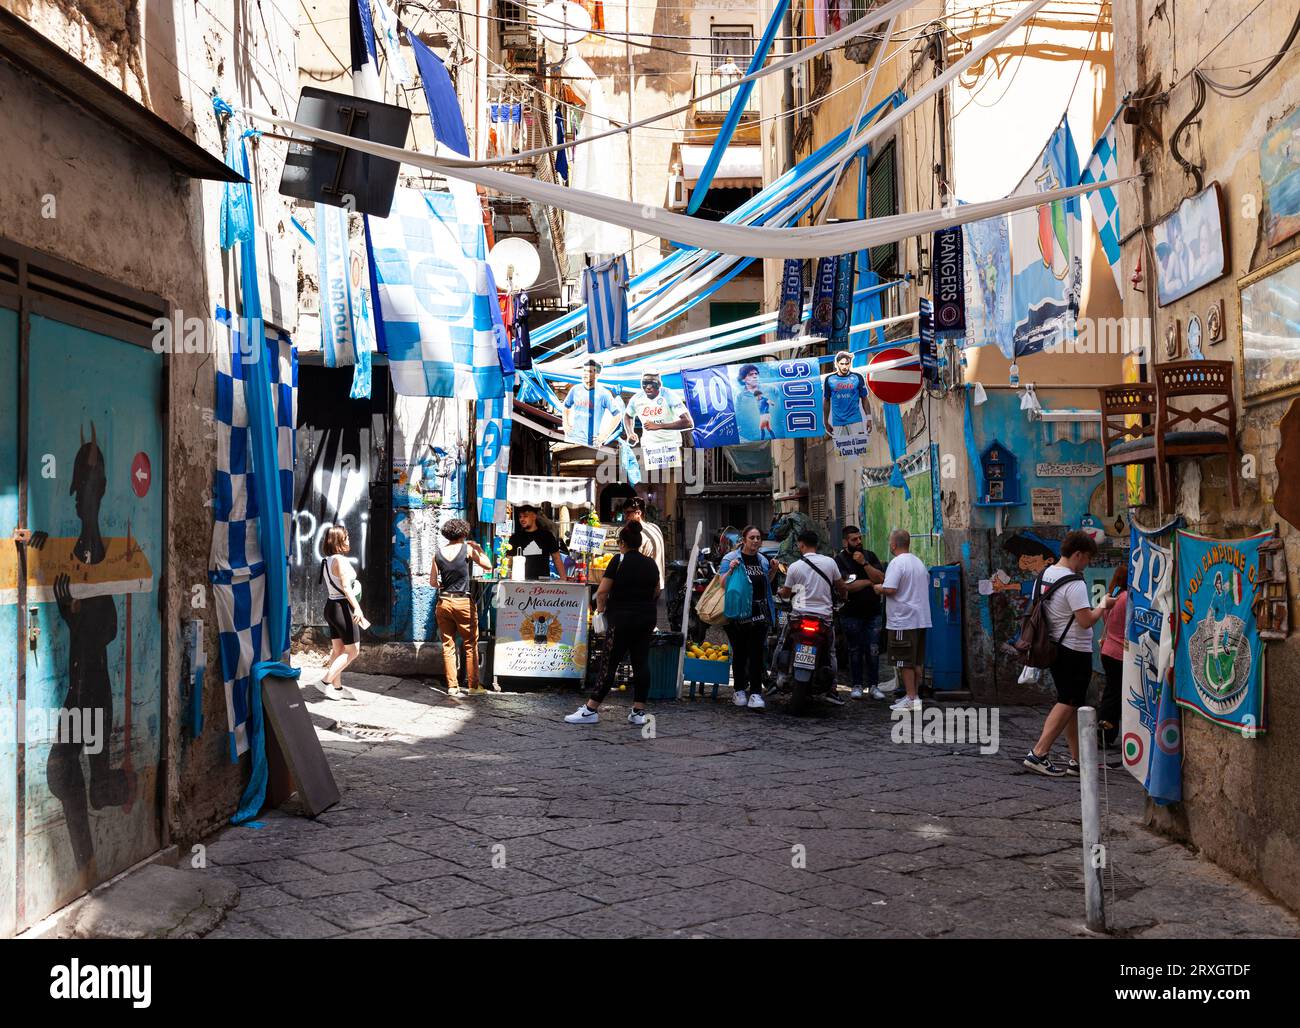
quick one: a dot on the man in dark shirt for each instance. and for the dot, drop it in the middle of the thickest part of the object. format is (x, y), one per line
(536, 545)
(861, 613)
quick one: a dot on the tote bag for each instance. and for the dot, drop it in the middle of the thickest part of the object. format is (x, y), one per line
(711, 606)
(740, 594)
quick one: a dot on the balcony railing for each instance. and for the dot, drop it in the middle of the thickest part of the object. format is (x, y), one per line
(706, 81)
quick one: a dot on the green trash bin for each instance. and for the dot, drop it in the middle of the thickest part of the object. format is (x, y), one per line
(665, 650)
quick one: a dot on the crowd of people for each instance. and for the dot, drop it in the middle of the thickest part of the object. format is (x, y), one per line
(878, 608)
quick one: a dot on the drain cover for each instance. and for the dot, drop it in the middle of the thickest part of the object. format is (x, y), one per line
(1065, 871)
(692, 747)
(363, 733)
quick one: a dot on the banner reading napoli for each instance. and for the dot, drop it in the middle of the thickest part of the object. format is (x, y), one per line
(1149, 652)
(749, 403)
(494, 423)
(843, 310)
(1046, 251)
(822, 322)
(988, 293)
(435, 301)
(1219, 659)
(789, 318)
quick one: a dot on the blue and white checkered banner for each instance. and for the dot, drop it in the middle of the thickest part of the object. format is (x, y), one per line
(493, 456)
(435, 300)
(1103, 166)
(236, 568)
(604, 291)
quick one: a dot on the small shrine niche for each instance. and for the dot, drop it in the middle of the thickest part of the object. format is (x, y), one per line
(1272, 608)
(1001, 470)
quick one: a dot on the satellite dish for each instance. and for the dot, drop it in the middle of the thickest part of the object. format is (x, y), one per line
(514, 263)
(563, 23)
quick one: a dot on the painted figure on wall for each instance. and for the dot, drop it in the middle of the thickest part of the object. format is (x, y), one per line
(92, 628)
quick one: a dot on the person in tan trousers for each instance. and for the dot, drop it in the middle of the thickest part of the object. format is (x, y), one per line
(454, 612)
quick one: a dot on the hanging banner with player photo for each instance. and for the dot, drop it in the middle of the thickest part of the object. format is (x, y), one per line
(541, 630)
(657, 408)
(750, 403)
(1149, 655)
(848, 408)
(1219, 659)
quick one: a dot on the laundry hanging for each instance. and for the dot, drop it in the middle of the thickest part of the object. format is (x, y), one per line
(604, 291)
(599, 168)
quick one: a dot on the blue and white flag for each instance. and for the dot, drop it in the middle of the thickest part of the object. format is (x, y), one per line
(365, 58)
(434, 310)
(1103, 166)
(388, 30)
(494, 423)
(789, 316)
(604, 291)
(843, 310)
(337, 332)
(822, 322)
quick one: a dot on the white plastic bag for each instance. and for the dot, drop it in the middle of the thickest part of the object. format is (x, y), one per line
(1030, 676)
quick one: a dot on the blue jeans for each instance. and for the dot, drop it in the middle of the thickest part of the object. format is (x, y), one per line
(862, 635)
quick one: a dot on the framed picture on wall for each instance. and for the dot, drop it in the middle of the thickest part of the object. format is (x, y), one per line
(1270, 329)
(1191, 250)
(1279, 172)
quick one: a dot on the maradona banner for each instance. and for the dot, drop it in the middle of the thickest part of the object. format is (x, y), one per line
(748, 403)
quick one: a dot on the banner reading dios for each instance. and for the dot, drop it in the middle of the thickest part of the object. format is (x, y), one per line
(750, 403)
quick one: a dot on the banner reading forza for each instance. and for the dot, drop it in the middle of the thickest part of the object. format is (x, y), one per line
(749, 403)
(1219, 661)
(1150, 731)
(541, 630)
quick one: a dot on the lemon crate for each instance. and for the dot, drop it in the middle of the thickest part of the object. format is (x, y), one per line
(696, 670)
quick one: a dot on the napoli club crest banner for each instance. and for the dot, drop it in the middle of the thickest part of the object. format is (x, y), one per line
(751, 403)
(789, 318)
(1151, 735)
(822, 322)
(1219, 660)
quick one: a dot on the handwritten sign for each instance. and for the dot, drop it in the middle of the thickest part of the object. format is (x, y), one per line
(1067, 470)
(541, 630)
(587, 537)
(1046, 505)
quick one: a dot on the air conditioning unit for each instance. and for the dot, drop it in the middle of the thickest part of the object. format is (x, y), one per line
(678, 193)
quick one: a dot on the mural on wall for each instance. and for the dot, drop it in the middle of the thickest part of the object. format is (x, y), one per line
(885, 507)
(93, 666)
(1219, 657)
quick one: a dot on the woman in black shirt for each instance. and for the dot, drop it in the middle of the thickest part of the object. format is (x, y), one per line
(628, 596)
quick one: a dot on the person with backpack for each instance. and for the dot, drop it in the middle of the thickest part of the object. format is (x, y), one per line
(812, 585)
(1057, 635)
(747, 633)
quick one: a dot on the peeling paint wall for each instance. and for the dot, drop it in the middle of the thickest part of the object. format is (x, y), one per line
(1239, 802)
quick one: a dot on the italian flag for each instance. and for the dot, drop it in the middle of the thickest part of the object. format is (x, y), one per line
(1237, 593)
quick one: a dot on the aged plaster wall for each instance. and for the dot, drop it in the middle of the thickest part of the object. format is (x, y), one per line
(126, 214)
(1239, 802)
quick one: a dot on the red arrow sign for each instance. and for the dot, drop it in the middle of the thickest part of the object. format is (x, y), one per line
(141, 474)
(894, 375)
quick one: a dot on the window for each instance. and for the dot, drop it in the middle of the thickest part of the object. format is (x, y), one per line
(734, 43)
(882, 201)
(839, 503)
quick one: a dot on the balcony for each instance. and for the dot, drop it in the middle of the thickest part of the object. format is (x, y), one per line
(708, 109)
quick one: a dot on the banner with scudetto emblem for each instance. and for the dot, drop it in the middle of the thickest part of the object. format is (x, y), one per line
(1219, 659)
(541, 629)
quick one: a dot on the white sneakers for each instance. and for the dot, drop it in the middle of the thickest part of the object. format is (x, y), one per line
(756, 701)
(878, 694)
(855, 693)
(584, 715)
(741, 698)
(906, 704)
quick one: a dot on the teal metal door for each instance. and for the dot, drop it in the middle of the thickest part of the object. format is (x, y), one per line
(92, 658)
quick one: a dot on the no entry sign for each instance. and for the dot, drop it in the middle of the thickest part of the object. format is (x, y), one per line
(894, 375)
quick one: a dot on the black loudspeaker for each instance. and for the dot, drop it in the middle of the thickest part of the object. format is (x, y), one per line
(338, 176)
(287, 716)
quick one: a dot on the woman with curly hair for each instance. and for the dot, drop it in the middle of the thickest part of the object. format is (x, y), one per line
(627, 595)
(454, 612)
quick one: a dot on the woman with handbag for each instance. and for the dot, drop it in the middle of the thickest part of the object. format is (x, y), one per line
(747, 633)
(342, 611)
(627, 599)
(455, 612)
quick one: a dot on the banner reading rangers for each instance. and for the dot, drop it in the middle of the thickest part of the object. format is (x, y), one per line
(1219, 659)
(1149, 652)
(749, 403)
(541, 630)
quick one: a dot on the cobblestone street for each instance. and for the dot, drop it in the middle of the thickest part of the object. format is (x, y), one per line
(488, 816)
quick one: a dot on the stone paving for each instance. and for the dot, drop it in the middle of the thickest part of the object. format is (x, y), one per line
(488, 816)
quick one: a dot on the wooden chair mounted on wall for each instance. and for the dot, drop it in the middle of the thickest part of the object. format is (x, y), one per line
(1123, 443)
(1195, 431)
(1170, 428)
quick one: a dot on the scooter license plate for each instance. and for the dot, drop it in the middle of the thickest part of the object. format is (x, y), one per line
(805, 656)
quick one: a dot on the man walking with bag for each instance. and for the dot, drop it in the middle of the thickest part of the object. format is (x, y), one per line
(1063, 594)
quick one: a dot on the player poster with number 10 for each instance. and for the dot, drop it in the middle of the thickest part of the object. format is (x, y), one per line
(750, 403)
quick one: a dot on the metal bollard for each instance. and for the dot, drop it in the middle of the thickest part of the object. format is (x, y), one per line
(1094, 853)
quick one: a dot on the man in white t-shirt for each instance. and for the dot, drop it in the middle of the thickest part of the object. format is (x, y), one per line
(663, 417)
(907, 615)
(1070, 615)
(811, 584)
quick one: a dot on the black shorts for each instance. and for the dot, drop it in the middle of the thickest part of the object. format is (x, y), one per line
(338, 618)
(1072, 674)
